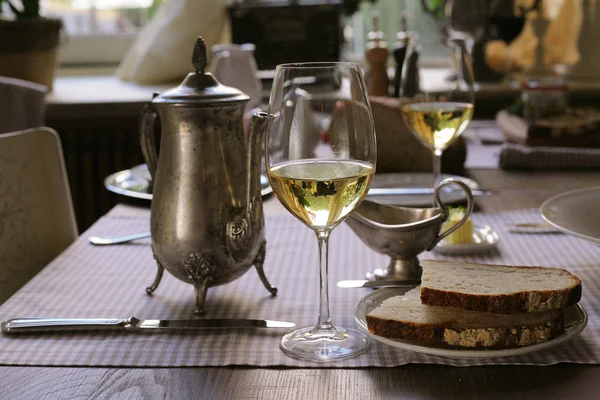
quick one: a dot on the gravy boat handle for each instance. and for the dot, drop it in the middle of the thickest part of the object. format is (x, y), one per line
(438, 200)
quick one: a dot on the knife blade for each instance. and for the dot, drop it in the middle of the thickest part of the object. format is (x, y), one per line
(362, 283)
(532, 227)
(418, 191)
(25, 325)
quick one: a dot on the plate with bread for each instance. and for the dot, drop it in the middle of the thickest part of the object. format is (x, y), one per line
(468, 310)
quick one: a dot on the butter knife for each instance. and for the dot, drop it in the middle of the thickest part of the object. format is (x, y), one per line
(418, 191)
(532, 227)
(25, 325)
(360, 283)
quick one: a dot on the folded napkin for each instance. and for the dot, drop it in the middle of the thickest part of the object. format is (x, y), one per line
(162, 51)
(516, 156)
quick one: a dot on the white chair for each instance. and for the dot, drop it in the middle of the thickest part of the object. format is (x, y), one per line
(22, 104)
(37, 221)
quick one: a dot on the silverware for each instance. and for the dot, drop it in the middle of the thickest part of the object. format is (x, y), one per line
(533, 228)
(24, 325)
(363, 283)
(104, 241)
(418, 191)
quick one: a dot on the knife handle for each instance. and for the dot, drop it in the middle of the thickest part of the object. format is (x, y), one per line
(25, 325)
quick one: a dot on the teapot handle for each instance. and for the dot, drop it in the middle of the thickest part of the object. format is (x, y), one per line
(438, 200)
(147, 139)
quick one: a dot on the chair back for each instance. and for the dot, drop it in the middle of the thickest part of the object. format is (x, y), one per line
(22, 104)
(37, 221)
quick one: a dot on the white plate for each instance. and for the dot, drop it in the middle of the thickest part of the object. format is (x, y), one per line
(450, 194)
(576, 212)
(134, 183)
(485, 239)
(576, 319)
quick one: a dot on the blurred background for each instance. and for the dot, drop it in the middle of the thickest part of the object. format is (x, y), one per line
(111, 56)
(99, 31)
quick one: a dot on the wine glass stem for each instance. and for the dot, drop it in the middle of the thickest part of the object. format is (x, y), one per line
(437, 170)
(464, 51)
(324, 322)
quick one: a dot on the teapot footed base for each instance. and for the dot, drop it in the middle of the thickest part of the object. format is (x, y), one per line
(159, 274)
(258, 264)
(199, 268)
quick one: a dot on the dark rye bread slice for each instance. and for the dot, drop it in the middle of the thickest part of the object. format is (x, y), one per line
(405, 317)
(497, 289)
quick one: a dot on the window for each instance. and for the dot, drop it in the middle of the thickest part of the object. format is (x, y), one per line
(390, 11)
(99, 31)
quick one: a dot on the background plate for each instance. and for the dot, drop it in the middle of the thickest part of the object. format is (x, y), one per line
(576, 319)
(134, 183)
(450, 194)
(576, 212)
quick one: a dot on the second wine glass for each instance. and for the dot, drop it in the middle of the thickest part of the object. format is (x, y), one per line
(318, 181)
(437, 106)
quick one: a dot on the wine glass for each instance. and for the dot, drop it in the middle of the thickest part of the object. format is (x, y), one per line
(321, 181)
(437, 108)
(467, 19)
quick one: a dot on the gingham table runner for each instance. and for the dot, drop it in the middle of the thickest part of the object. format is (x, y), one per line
(88, 281)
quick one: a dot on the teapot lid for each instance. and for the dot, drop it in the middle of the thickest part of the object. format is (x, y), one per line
(200, 87)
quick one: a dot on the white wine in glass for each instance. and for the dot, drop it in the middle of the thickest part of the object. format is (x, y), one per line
(321, 182)
(438, 113)
(321, 193)
(437, 124)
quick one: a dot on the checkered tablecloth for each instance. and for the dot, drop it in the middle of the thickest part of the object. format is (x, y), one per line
(88, 281)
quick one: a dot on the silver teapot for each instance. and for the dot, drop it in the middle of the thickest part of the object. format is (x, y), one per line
(206, 222)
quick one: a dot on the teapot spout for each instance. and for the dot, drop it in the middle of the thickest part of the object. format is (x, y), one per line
(256, 133)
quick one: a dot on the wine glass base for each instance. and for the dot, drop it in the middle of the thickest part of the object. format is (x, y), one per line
(324, 345)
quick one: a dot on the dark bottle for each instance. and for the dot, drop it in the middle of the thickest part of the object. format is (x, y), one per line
(400, 49)
(411, 81)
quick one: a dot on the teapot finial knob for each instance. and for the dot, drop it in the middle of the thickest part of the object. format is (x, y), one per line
(199, 55)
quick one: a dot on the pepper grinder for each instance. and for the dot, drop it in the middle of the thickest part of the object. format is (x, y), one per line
(400, 49)
(376, 55)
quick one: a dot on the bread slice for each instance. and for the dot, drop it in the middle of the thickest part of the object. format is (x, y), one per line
(405, 317)
(497, 288)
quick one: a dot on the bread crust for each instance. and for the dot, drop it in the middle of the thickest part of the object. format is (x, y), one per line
(473, 338)
(512, 303)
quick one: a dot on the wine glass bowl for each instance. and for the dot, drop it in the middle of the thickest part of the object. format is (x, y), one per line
(321, 193)
(437, 123)
(320, 184)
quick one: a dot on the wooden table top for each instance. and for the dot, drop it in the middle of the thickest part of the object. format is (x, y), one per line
(514, 190)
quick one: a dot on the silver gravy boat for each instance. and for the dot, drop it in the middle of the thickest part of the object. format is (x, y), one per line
(402, 233)
(206, 223)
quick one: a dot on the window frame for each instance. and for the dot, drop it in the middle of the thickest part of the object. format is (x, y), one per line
(95, 50)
